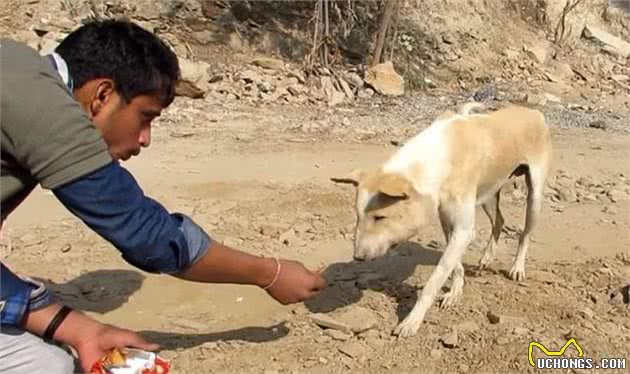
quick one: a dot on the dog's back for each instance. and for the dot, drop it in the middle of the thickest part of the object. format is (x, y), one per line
(485, 149)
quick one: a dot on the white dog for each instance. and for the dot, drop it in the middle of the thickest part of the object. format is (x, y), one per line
(461, 161)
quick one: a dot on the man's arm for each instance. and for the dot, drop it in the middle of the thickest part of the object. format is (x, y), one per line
(149, 237)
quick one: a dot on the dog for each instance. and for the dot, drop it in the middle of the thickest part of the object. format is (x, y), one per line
(461, 161)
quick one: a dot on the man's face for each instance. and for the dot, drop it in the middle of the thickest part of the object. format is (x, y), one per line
(126, 127)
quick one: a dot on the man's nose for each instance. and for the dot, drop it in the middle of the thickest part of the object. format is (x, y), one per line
(145, 137)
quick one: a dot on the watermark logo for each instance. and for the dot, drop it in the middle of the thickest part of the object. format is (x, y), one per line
(555, 359)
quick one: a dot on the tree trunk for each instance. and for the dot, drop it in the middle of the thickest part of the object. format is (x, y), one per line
(386, 17)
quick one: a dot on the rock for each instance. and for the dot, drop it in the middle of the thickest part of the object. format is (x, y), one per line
(609, 210)
(621, 295)
(552, 98)
(384, 79)
(450, 340)
(355, 80)
(598, 124)
(265, 86)
(299, 76)
(324, 320)
(366, 94)
(287, 237)
(194, 78)
(353, 349)
(337, 334)
(565, 193)
(536, 99)
(488, 92)
(249, 75)
(620, 77)
(269, 63)
(436, 353)
(333, 96)
(537, 51)
(560, 70)
(357, 318)
(346, 89)
(494, 319)
(616, 195)
(610, 42)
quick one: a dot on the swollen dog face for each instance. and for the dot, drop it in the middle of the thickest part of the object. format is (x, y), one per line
(388, 209)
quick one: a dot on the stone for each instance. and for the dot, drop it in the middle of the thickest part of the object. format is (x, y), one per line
(194, 76)
(385, 80)
(611, 43)
(337, 334)
(324, 320)
(357, 318)
(353, 349)
(538, 51)
(269, 63)
(450, 340)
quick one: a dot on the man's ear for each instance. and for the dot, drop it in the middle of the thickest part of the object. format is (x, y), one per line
(394, 185)
(354, 177)
(103, 93)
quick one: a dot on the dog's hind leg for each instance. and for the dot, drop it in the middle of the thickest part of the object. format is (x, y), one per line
(462, 219)
(493, 211)
(535, 178)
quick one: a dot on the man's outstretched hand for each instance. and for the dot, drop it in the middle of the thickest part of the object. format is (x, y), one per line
(295, 283)
(221, 264)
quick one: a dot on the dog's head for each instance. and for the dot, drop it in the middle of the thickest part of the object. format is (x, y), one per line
(388, 209)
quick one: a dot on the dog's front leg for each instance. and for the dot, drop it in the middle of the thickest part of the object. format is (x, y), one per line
(462, 218)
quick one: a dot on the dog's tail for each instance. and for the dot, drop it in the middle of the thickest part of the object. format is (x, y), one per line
(471, 108)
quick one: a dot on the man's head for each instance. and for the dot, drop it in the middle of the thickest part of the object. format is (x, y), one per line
(389, 211)
(123, 77)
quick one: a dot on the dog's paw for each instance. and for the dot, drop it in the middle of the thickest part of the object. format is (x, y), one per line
(450, 299)
(408, 327)
(517, 274)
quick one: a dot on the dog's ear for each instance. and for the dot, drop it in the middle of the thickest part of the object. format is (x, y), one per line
(354, 177)
(394, 185)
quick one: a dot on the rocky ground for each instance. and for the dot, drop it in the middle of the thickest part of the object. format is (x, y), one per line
(250, 158)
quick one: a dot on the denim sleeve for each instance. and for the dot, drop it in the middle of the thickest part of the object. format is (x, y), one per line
(112, 204)
(19, 294)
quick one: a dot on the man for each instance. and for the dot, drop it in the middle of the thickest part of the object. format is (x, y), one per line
(67, 119)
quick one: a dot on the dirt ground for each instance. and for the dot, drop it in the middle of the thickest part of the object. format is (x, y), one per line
(258, 182)
(258, 179)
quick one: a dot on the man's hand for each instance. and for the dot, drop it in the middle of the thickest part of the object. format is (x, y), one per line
(90, 338)
(222, 264)
(93, 345)
(295, 283)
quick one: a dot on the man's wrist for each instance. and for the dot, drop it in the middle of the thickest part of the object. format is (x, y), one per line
(267, 271)
(57, 320)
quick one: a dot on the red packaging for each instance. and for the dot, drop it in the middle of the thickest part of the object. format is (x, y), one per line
(131, 361)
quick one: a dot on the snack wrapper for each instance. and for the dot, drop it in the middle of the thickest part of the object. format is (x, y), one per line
(131, 361)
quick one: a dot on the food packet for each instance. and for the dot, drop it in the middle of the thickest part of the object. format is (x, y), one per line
(130, 361)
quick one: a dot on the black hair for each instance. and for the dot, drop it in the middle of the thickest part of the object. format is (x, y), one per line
(135, 59)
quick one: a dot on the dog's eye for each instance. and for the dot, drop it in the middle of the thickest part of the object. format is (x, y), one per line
(378, 218)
